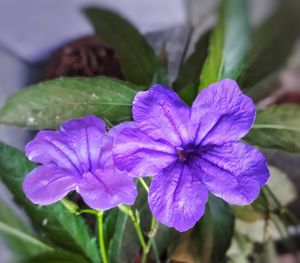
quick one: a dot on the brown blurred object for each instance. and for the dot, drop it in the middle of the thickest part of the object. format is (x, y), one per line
(289, 97)
(138, 259)
(288, 258)
(85, 57)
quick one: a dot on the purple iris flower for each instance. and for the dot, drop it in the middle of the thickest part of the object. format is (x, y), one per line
(78, 157)
(192, 151)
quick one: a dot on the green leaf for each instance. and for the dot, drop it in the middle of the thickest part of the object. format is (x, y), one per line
(62, 228)
(47, 104)
(247, 213)
(257, 231)
(277, 127)
(163, 238)
(117, 242)
(137, 58)
(18, 236)
(259, 209)
(188, 76)
(209, 240)
(57, 257)
(240, 246)
(273, 41)
(285, 195)
(229, 44)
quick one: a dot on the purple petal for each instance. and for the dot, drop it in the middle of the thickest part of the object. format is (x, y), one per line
(223, 113)
(140, 155)
(85, 137)
(162, 114)
(46, 185)
(51, 148)
(234, 172)
(177, 198)
(107, 188)
(106, 159)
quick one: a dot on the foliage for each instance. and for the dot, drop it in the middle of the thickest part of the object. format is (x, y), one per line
(232, 49)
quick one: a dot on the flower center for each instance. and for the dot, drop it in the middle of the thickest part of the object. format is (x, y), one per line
(186, 153)
(180, 155)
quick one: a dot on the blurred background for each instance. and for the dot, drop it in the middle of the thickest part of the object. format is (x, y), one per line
(39, 40)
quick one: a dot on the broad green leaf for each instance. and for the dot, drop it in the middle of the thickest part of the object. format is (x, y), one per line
(18, 236)
(272, 44)
(47, 104)
(277, 127)
(229, 44)
(209, 240)
(62, 228)
(57, 257)
(187, 80)
(137, 58)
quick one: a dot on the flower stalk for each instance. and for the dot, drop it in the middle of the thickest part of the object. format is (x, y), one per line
(101, 236)
(136, 223)
(151, 235)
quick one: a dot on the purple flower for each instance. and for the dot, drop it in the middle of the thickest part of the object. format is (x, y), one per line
(78, 157)
(192, 151)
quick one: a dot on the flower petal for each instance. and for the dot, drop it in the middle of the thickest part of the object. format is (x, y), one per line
(107, 188)
(177, 198)
(85, 137)
(222, 113)
(46, 185)
(140, 155)
(51, 148)
(234, 172)
(163, 114)
(106, 158)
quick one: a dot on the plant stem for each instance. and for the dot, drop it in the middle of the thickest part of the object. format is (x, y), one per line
(88, 211)
(127, 210)
(152, 231)
(151, 235)
(70, 206)
(101, 236)
(144, 184)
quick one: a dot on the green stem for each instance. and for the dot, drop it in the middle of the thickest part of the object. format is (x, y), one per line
(151, 235)
(127, 210)
(109, 123)
(282, 209)
(88, 211)
(152, 231)
(101, 236)
(144, 184)
(276, 201)
(70, 206)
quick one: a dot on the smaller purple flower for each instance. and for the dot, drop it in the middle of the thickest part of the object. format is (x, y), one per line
(192, 151)
(78, 157)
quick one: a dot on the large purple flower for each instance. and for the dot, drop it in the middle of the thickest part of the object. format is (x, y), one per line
(192, 151)
(78, 157)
